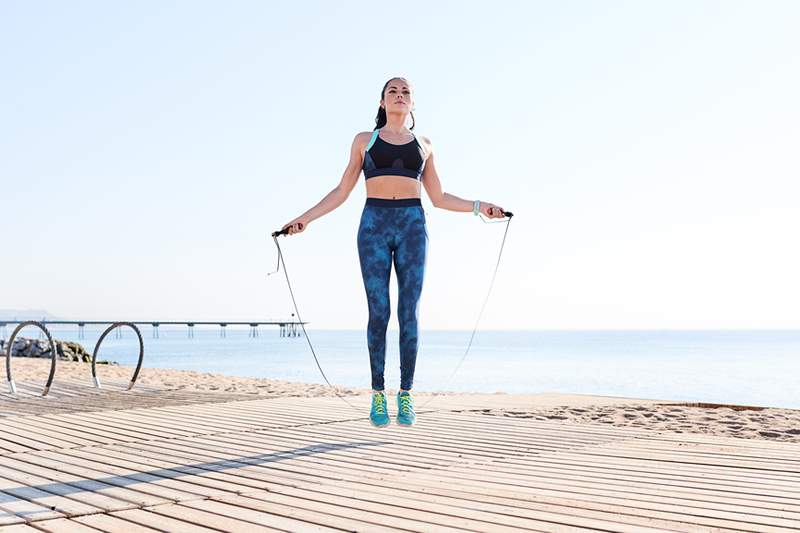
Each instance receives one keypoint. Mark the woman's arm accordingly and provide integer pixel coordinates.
(338, 194)
(444, 200)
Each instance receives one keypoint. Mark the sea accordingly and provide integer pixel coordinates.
(744, 367)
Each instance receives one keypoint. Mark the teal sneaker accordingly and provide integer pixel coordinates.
(378, 415)
(405, 409)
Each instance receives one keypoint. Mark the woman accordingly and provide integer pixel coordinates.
(396, 163)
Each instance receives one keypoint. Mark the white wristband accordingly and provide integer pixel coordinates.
(476, 207)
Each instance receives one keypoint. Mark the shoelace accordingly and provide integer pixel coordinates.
(377, 403)
(405, 404)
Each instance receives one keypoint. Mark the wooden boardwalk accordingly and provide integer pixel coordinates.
(146, 460)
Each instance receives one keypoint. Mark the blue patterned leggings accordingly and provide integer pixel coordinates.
(392, 230)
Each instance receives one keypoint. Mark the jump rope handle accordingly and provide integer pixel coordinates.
(508, 214)
(283, 231)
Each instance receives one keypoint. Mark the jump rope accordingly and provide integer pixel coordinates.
(276, 234)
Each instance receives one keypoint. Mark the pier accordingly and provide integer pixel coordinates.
(286, 328)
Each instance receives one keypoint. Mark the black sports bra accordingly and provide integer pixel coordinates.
(386, 159)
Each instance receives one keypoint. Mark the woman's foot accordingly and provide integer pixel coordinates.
(377, 414)
(405, 409)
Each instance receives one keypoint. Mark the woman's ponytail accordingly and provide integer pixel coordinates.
(380, 118)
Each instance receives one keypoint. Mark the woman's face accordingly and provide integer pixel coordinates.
(397, 97)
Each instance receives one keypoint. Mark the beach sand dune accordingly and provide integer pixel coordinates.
(676, 417)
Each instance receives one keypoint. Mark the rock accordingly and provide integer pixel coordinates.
(67, 351)
(72, 351)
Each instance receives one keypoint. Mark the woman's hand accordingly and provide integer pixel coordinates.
(491, 210)
(297, 225)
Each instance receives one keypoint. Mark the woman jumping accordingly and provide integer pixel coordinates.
(392, 229)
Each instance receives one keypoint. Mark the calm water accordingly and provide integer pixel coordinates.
(743, 367)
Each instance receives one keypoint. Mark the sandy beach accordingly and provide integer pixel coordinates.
(750, 422)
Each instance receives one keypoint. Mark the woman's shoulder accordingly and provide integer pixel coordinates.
(425, 142)
(422, 138)
(362, 138)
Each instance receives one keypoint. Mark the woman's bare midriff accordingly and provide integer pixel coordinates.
(393, 187)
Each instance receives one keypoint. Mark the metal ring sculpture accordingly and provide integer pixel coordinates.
(53, 354)
(108, 330)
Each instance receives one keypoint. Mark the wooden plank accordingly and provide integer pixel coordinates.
(128, 486)
(148, 421)
(720, 449)
(776, 506)
(25, 510)
(99, 427)
(153, 421)
(153, 520)
(113, 524)
(664, 476)
(117, 472)
(19, 528)
(202, 480)
(30, 440)
(323, 514)
(101, 422)
(712, 472)
(7, 517)
(44, 433)
(12, 447)
(739, 442)
(92, 492)
(283, 517)
(473, 446)
(774, 468)
(503, 504)
(366, 502)
(55, 496)
(700, 512)
(191, 465)
(86, 438)
(63, 525)
(226, 520)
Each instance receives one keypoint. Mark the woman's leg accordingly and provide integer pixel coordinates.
(375, 256)
(409, 263)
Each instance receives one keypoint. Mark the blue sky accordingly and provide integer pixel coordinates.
(648, 150)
